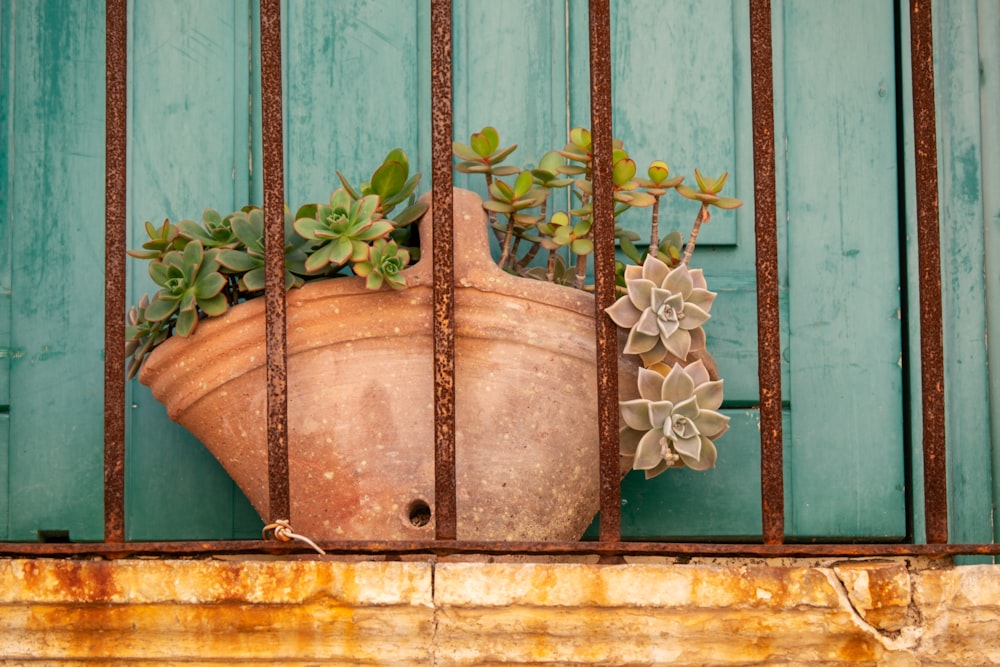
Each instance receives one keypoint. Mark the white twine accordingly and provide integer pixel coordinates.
(281, 530)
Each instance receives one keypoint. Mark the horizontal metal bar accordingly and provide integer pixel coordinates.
(444, 548)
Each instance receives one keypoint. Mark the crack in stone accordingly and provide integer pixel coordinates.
(905, 639)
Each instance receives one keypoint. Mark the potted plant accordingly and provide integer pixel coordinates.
(360, 439)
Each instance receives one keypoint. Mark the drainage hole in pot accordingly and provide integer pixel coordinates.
(419, 513)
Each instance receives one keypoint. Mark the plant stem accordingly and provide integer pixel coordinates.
(581, 272)
(654, 227)
(512, 260)
(528, 256)
(505, 246)
(550, 268)
(703, 217)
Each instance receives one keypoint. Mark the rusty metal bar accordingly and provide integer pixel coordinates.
(274, 246)
(604, 269)
(116, 57)
(772, 486)
(445, 502)
(928, 238)
(444, 548)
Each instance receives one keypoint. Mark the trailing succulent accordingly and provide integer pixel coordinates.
(663, 303)
(203, 268)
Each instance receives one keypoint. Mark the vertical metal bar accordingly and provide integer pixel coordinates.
(772, 487)
(274, 245)
(445, 502)
(604, 269)
(116, 73)
(928, 238)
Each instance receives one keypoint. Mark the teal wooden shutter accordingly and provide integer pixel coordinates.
(356, 85)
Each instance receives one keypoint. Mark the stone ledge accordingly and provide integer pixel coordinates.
(450, 613)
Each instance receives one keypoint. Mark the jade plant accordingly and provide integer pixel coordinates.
(663, 303)
(204, 268)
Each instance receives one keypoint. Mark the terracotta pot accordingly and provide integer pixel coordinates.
(361, 433)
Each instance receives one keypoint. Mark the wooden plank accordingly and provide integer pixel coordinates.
(845, 454)
(989, 57)
(961, 118)
(4, 476)
(189, 114)
(510, 61)
(6, 190)
(675, 99)
(722, 503)
(352, 82)
(56, 412)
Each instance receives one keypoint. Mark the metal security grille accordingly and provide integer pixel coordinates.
(609, 544)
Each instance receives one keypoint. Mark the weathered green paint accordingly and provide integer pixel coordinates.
(353, 90)
(6, 188)
(964, 112)
(723, 502)
(188, 111)
(4, 476)
(56, 202)
(989, 103)
(846, 451)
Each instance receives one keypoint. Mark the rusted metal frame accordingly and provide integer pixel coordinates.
(929, 266)
(772, 487)
(445, 548)
(116, 77)
(604, 269)
(279, 506)
(442, 121)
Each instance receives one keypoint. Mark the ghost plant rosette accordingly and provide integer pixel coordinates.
(663, 309)
(674, 422)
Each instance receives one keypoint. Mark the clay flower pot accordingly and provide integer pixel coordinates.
(360, 400)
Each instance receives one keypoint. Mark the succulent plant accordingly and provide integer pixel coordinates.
(675, 421)
(202, 268)
(247, 261)
(385, 264)
(343, 230)
(663, 310)
(189, 281)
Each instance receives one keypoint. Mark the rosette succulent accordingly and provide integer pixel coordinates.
(663, 309)
(344, 230)
(190, 280)
(384, 265)
(675, 420)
